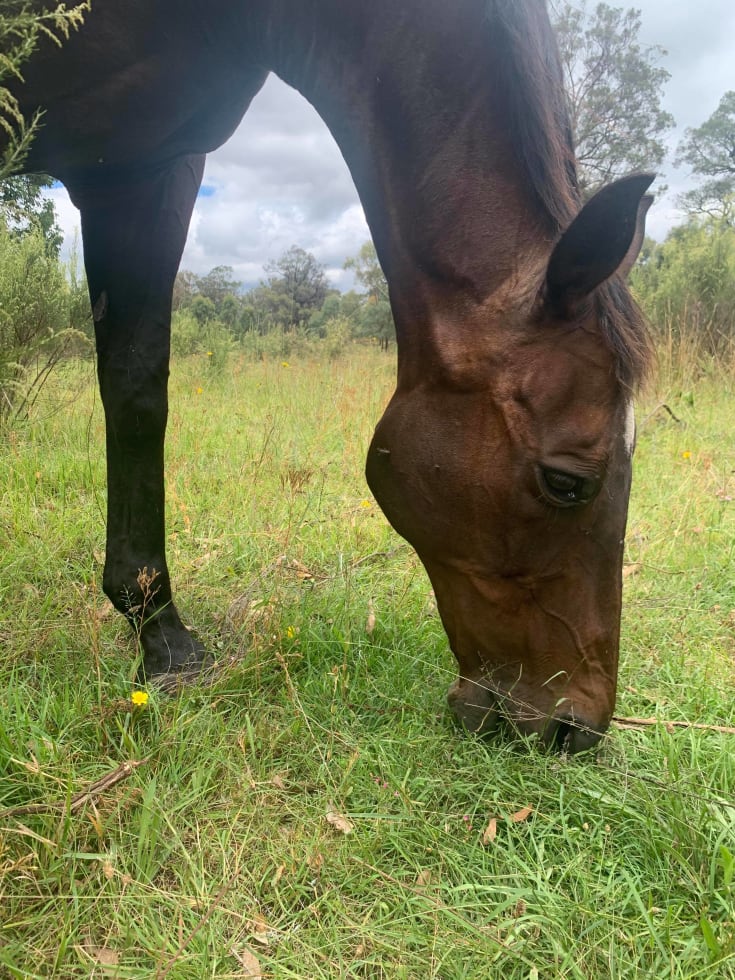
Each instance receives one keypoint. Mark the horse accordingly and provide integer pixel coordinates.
(504, 455)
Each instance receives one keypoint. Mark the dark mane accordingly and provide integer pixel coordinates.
(529, 70)
(626, 332)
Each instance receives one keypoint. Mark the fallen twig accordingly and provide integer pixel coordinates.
(658, 409)
(648, 722)
(97, 788)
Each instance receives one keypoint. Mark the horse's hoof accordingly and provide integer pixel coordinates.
(170, 662)
(171, 681)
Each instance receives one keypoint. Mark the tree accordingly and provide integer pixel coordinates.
(23, 207)
(202, 309)
(686, 284)
(376, 316)
(297, 286)
(185, 289)
(229, 312)
(709, 151)
(41, 319)
(218, 283)
(614, 86)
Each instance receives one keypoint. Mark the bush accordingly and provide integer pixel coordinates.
(40, 316)
(686, 286)
(338, 335)
(277, 344)
(210, 339)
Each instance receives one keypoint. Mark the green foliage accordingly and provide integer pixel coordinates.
(278, 318)
(207, 338)
(615, 87)
(217, 285)
(41, 319)
(709, 151)
(202, 309)
(319, 319)
(337, 336)
(375, 316)
(23, 207)
(295, 288)
(687, 284)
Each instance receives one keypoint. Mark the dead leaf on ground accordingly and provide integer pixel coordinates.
(104, 612)
(339, 822)
(423, 878)
(315, 861)
(632, 569)
(248, 961)
(370, 623)
(101, 954)
(259, 930)
(520, 815)
(295, 566)
(491, 831)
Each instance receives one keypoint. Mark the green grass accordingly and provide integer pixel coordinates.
(218, 848)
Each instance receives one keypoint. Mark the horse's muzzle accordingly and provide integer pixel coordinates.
(479, 709)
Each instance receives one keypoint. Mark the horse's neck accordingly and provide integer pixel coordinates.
(409, 92)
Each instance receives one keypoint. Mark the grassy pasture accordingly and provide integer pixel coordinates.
(315, 814)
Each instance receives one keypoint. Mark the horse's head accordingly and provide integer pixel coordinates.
(508, 467)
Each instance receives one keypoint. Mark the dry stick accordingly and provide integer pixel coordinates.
(646, 722)
(658, 409)
(94, 789)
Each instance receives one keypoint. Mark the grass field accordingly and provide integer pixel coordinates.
(315, 813)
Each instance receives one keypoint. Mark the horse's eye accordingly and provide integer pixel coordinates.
(565, 489)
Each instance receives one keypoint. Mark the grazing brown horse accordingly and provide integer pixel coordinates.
(504, 456)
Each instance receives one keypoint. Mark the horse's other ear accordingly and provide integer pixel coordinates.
(604, 238)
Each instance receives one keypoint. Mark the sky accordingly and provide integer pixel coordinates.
(280, 180)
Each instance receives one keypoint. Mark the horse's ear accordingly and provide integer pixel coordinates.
(638, 236)
(604, 238)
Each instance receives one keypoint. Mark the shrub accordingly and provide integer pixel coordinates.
(687, 286)
(40, 316)
(277, 344)
(210, 339)
(338, 335)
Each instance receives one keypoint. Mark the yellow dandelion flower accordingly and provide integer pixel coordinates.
(365, 503)
(290, 632)
(209, 353)
(139, 697)
(686, 455)
(199, 391)
(285, 364)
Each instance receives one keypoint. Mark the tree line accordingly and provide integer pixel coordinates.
(294, 300)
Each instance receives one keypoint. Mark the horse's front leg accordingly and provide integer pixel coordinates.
(134, 231)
